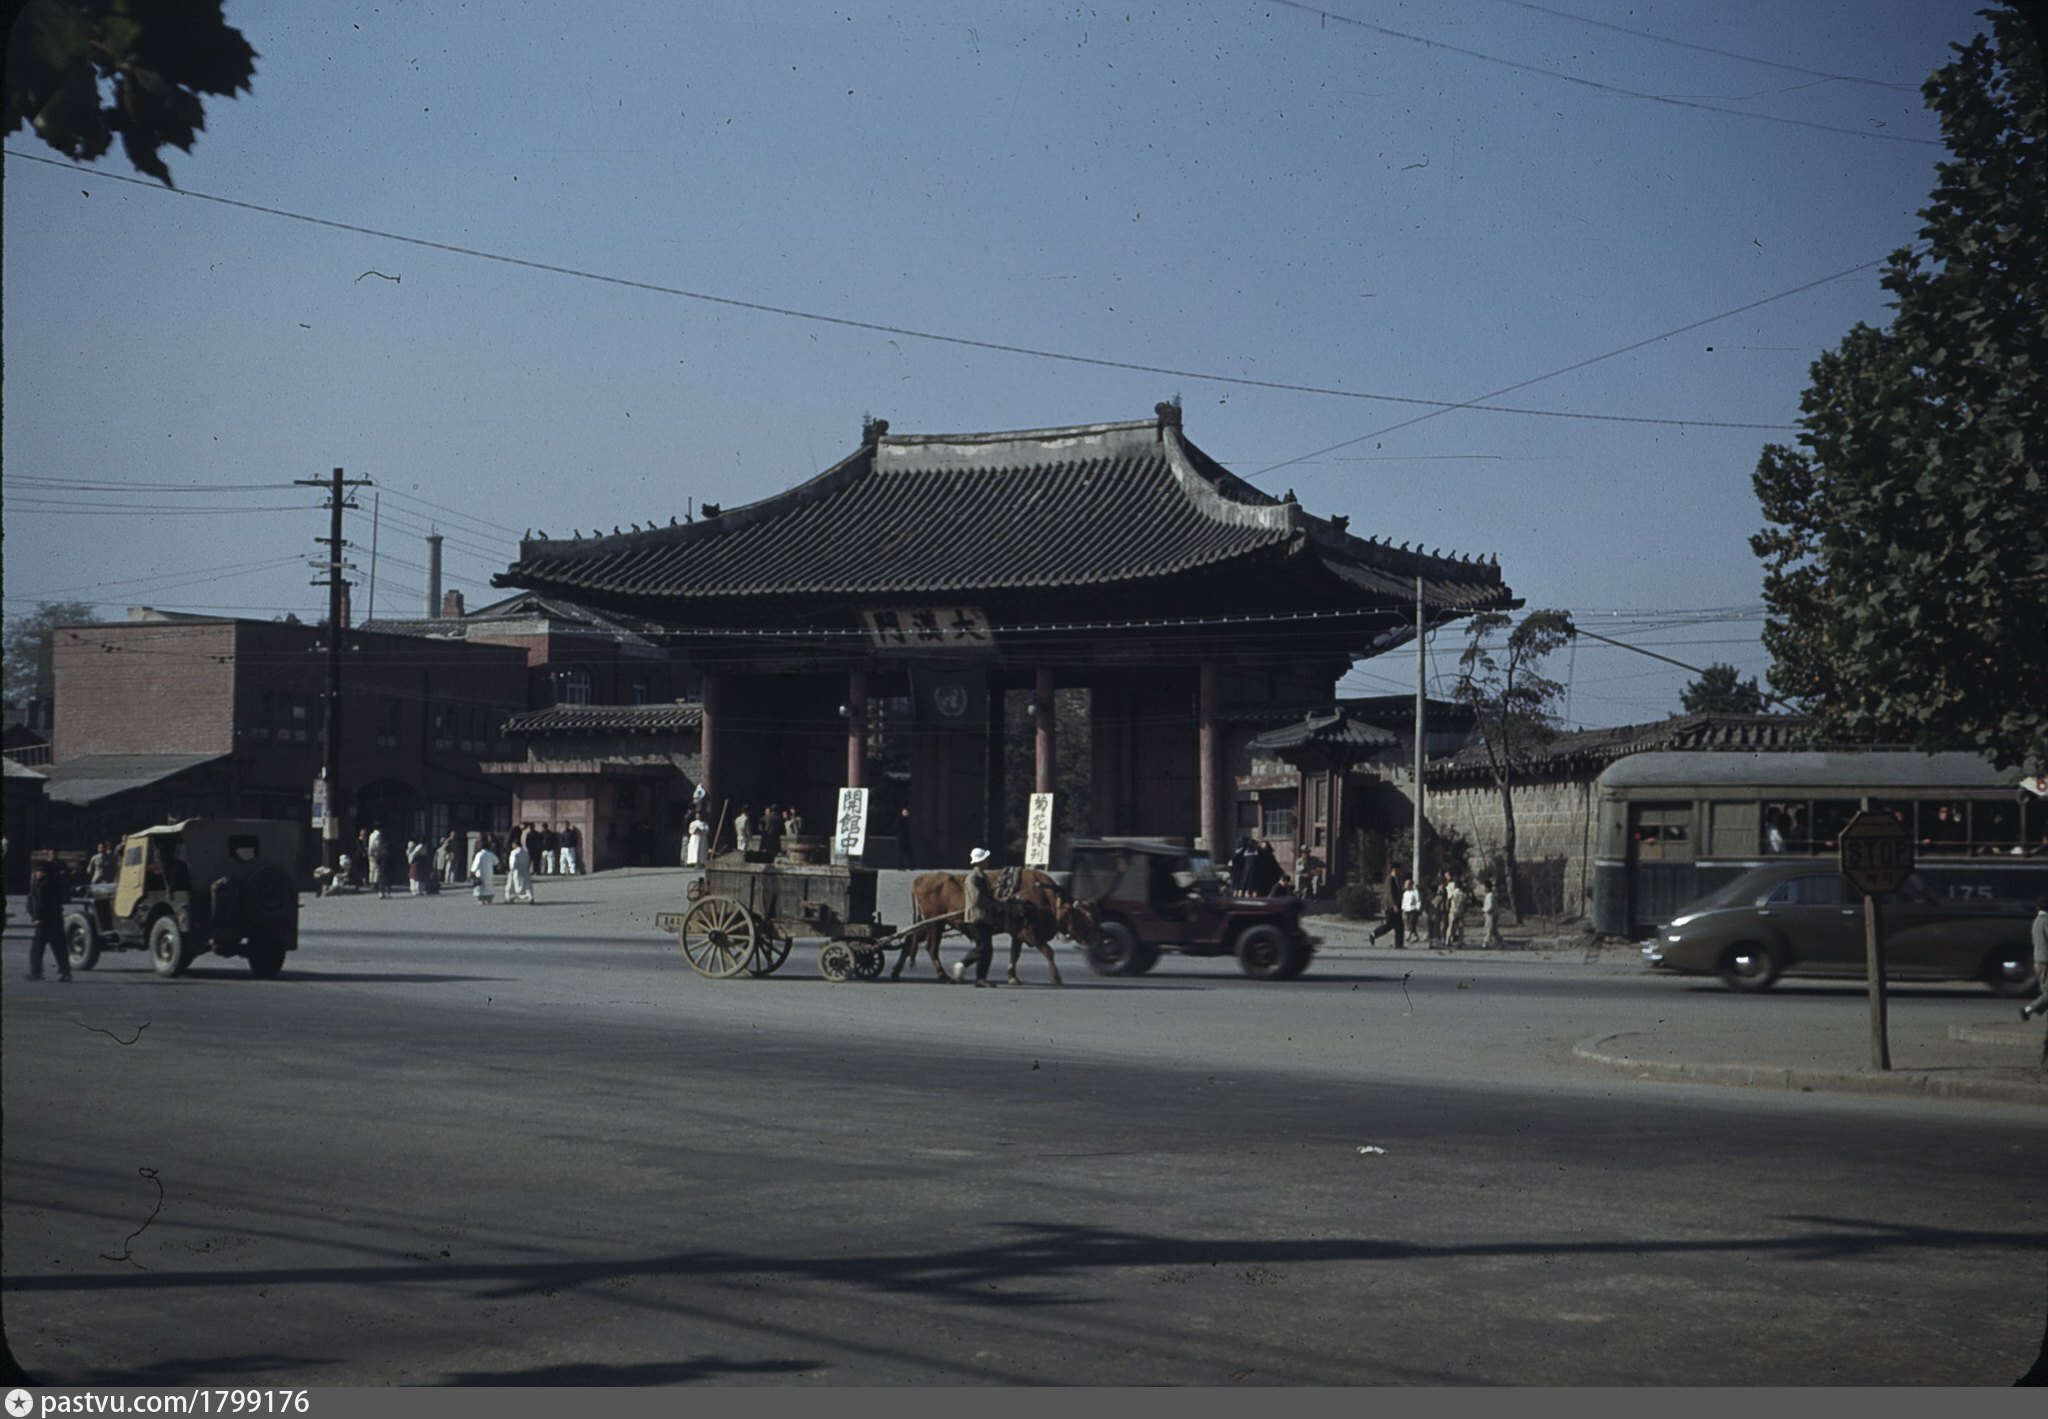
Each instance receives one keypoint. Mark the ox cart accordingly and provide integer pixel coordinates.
(747, 911)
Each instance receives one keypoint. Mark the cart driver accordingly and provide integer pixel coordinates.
(978, 916)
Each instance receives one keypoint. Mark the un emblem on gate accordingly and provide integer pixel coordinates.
(950, 701)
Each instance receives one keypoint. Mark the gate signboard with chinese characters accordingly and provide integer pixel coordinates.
(850, 825)
(1038, 832)
(913, 628)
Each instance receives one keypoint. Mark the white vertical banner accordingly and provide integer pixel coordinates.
(850, 824)
(1038, 832)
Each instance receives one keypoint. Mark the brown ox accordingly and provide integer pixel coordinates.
(1038, 912)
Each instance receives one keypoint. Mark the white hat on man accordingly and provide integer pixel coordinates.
(977, 857)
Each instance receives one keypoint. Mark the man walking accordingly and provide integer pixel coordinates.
(519, 872)
(380, 867)
(1390, 901)
(977, 917)
(46, 910)
(1489, 912)
(572, 844)
(2039, 1004)
(1411, 906)
(1454, 911)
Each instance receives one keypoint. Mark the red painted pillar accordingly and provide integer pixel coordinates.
(857, 729)
(707, 755)
(1044, 722)
(1215, 836)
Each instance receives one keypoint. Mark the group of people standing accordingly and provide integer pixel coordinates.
(529, 850)
(1255, 870)
(1441, 917)
(764, 834)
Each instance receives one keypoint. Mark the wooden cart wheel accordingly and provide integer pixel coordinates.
(718, 937)
(835, 960)
(867, 963)
(769, 955)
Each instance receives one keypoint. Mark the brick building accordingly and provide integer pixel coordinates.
(170, 715)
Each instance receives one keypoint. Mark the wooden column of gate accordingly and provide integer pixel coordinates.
(710, 721)
(1044, 759)
(857, 729)
(1210, 768)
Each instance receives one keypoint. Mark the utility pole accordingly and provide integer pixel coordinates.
(334, 566)
(1421, 723)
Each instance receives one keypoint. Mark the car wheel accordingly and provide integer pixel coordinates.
(1749, 966)
(82, 942)
(1144, 959)
(167, 949)
(1266, 953)
(266, 959)
(1115, 952)
(2010, 972)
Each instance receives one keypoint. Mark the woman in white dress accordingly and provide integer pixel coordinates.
(483, 870)
(519, 874)
(693, 845)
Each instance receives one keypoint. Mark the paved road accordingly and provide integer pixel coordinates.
(457, 1144)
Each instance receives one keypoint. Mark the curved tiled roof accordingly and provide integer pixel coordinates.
(608, 719)
(1099, 505)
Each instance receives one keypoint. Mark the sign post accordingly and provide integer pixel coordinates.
(1038, 832)
(1876, 857)
(850, 825)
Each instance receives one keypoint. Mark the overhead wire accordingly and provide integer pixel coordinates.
(1709, 49)
(1568, 369)
(877, 327)
(1595, 84)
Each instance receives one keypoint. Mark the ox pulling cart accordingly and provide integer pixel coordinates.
(747, 911)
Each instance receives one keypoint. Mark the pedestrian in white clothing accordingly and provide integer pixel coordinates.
(483, 870)
(693, 845)
(519, 874)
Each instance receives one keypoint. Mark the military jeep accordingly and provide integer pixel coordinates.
(207, 884)
(1155, 896)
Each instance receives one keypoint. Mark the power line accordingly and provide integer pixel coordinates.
(877, 328)
(1579, 365)
(65, 485)
(1606, 88)
(1709, 49)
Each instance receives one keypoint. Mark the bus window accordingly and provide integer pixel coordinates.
(1815, 891)
(1943, 829)
(1901, 809)
(1829, 814)
(2035, 827)
(1779, 825)
(1733, 829)
(1994, 829)
(1662, 832)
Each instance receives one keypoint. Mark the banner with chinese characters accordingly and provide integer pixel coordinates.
(912, 628)
(1038, 832)
(850, 824)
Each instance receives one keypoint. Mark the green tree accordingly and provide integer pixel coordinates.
(81, 71)
(25, 648)
(1905, 551)
(1515, 706)
(1719, 691)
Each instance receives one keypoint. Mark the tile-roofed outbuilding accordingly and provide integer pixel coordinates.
(1114, 507)
(681, 716)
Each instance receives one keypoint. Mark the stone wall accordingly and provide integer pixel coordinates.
(1553, 837)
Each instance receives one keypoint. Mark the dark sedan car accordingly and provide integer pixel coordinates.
(1795, 919)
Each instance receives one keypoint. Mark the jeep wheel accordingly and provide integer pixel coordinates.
(167, 949)
(1266, 953)
(1144, 959)
(266, 959)
(1115, 952)
(82, 942)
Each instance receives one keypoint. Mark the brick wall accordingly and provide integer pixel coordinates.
(144, 688)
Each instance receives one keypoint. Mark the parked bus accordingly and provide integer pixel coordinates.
(1674, 826)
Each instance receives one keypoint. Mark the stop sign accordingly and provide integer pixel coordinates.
(1876, 853)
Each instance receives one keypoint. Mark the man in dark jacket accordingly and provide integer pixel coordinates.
(46, 895)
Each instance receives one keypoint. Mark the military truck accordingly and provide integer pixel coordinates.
(207, 884)
(1152, 896)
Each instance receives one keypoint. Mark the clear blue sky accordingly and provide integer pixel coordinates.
(1312, 197)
